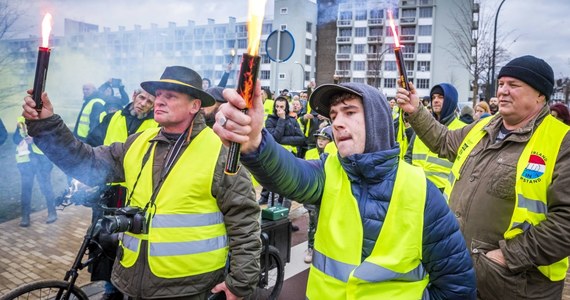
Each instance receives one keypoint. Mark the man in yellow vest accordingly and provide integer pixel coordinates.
(385, 231)
(91, 113)
(444, 103)
(509, 184)
(190, 214)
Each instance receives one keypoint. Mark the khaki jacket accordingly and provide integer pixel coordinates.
(234, 194)
(483, 202)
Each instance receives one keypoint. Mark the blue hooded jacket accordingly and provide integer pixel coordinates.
(372, 175)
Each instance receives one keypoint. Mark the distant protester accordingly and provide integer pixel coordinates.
(560, 112)
(482, 110)
(466, 115)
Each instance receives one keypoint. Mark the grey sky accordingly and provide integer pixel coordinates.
(540, 28)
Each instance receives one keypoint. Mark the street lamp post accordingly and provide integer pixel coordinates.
(494, 50)
(302, 77)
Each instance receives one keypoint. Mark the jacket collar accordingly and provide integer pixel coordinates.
(522, 134)
(199, 125)
(370, 167)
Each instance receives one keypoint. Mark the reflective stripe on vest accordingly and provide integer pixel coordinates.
(187, 235)
(533, 174)
(437, 169)
(83, 126)
(393, 270)
(117, 130)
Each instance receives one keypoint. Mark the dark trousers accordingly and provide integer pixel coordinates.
(38, 166)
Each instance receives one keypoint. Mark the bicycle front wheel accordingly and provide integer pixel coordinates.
(270, 278)
(45, 289)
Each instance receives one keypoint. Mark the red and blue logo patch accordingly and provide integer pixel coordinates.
(535, 168)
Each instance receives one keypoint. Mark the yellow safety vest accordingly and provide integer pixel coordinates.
(394, 269)
(187, 235)
(117, 130)
(267, 108)
(313, 153)
(83, 125)
(534, 176)
(23, 132)
(437, 169)
(401, 136)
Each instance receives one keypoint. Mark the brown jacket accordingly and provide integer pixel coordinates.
(483, 202)
(234, 194)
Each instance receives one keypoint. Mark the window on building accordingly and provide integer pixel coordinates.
(389, 83)
(283, 26)
(424, 30)
(344, 65)
(345, 32)
(219, 60)
(265, 74)
(242, 43)
(389, 48)
(422, 83)
(375, 31)
(359, 48)
(199, 31)
(241, 28)
(423, 66)
(265, 59)
(283, 11)
(309, 27)
(389, 31)
(344, 48)
(358, 65)
(376, 14)
(409, 13)
(409, 64)
(360, 15)
(307, 75)
(208, 59)
(390, 66)
(266, 28)
(424, 48)
(360, 31)
(307, 59)
(308, 44)
(230, 43)
(358, 80)
(345, 15)
(198, 45)
(408, 48)
(426, 12)
(220, 29)
(209, 45)
(282, 76)
(409, 30)
(219, 44)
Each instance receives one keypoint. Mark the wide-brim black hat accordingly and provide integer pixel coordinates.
(321, 97)
(180, 79)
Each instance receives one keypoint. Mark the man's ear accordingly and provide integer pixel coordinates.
(195, 106)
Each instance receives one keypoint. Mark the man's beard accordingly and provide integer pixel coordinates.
(493, 107)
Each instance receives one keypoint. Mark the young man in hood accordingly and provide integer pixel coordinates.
(381, 220)
(444, 106)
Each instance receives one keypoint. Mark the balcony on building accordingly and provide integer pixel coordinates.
(345, 6)
(375, 21)
(344, 39)
(408, 38)
(425, 2)
(408, 3)
(408, 20)
(343, 56)
(374, 73)
(409, 56)
(343, 73)
(374, 39)
(344, 23)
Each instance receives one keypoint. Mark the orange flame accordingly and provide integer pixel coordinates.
(248, 83)
(46, 29)
(256, 11)
(393, 27)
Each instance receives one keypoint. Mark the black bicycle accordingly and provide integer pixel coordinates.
(271, 277)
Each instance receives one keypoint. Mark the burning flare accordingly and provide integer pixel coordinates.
(46, 29)
(393, 27)
(256, 11)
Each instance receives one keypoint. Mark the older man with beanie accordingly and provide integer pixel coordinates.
(509, 184)
(378, 237)
(195, 213)
(444, 100)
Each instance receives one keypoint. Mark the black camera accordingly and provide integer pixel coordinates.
(130, 218)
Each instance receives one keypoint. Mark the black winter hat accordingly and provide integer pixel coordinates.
(533, 71)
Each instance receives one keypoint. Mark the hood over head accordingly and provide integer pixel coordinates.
(450, 99)
(377, 113)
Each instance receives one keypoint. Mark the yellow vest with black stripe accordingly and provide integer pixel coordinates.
(534, 175)
(83, 125)
(436, 169)
(187, 235)
(117, 130)
(394, 269)
(23, 133)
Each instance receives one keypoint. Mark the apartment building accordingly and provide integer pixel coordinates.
(363, 43)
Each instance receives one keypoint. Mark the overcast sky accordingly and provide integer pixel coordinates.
(540, 28)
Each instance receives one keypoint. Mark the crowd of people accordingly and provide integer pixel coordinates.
(474, 206)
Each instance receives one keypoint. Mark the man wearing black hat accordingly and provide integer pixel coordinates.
(509, 184)
(378, 237)
(194, 213)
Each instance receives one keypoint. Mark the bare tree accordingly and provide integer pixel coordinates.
(472, 43)
(10, 12)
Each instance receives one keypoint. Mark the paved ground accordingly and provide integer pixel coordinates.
(46, 251)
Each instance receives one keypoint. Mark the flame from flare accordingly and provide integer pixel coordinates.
(233, 52)
(256, 11)
(46, 29)
(393, 27)
(248, 83)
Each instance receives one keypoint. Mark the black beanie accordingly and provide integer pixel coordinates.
(436, 90)
(533, 71)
